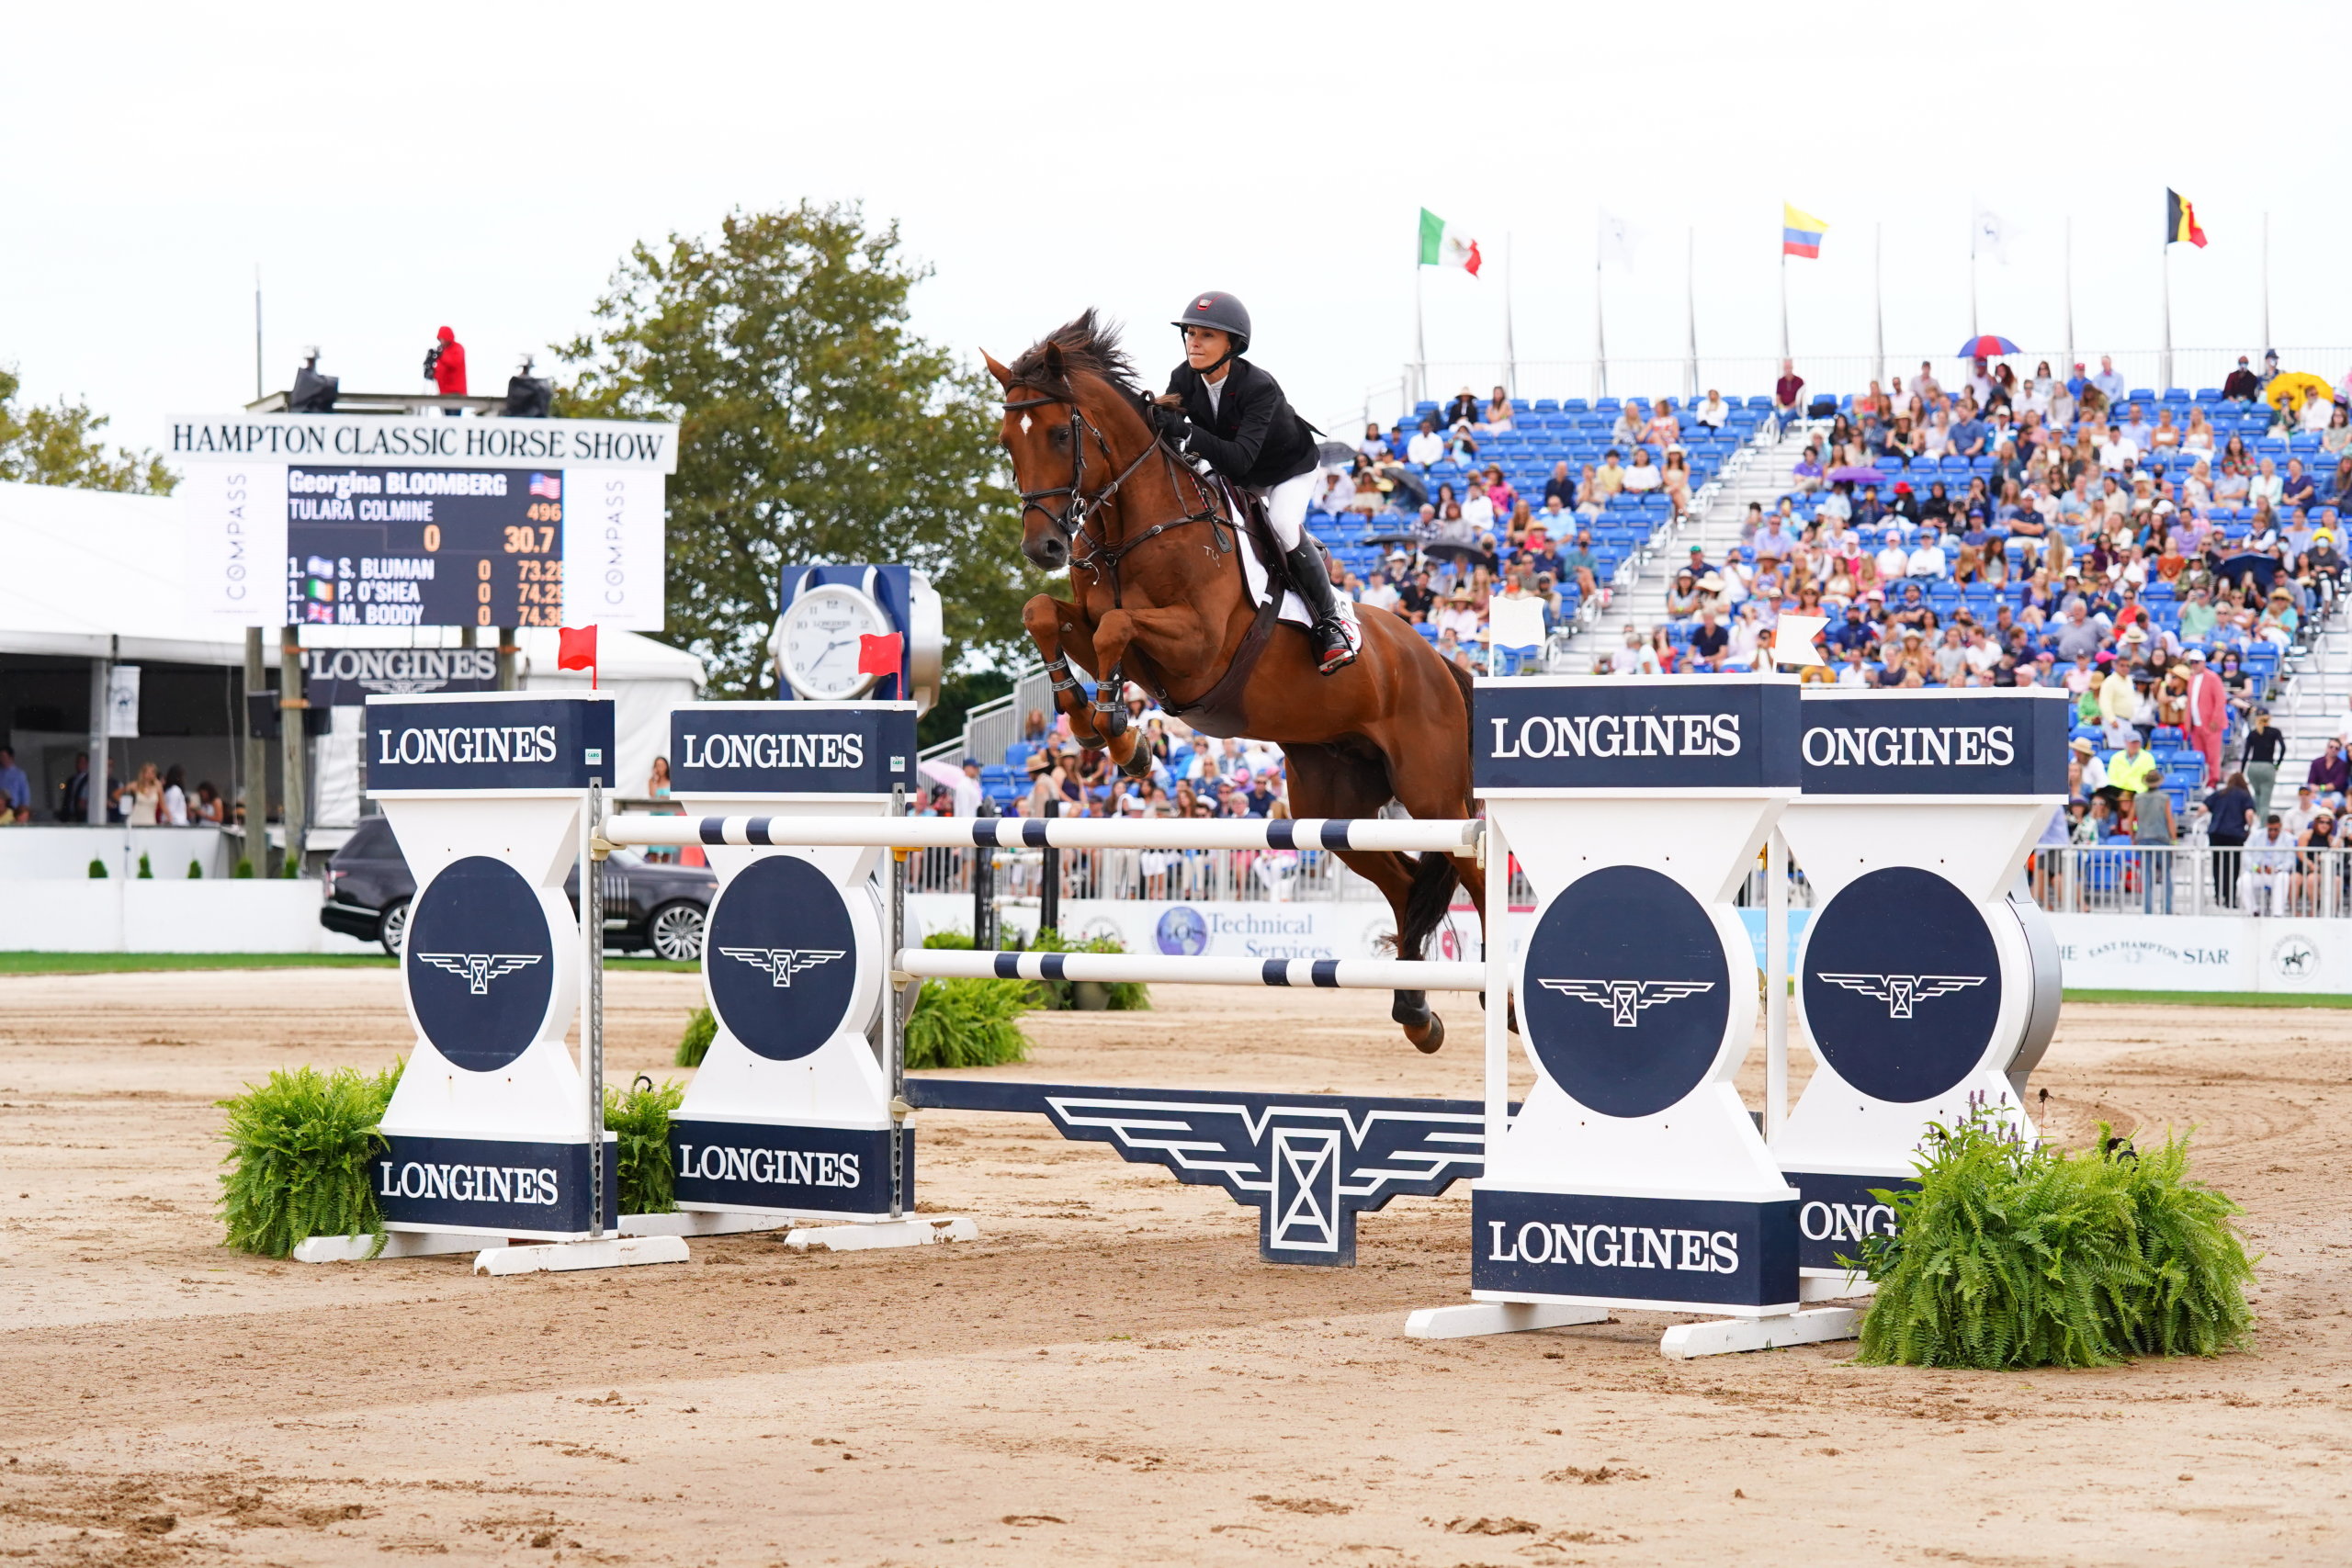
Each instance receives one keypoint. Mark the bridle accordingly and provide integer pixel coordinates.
(1099, 557)
(1078, 510)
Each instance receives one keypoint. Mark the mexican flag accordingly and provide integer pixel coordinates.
(1442, 246)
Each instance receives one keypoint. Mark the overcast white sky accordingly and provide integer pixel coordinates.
(393, 168)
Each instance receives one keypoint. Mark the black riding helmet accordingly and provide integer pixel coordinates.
(1221, 311)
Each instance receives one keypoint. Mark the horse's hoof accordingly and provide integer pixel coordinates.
(1428, 1045)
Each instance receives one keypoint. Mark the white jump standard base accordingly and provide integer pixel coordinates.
(1496, 1317)
(913, 1231)
(704, 1221)
(1730, 1335)
(397, 1244)
(562, 1257)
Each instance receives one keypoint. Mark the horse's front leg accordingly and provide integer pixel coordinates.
(1174, 639)
(1060, 630)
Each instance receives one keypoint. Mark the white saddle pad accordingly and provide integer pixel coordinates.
(1293, 608)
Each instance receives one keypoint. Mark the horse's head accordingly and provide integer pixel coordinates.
(1073, 421)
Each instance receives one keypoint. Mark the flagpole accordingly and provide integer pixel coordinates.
(1878, 301)
(1599, 337)
(1421, 341)
(1691, 310)
(1972, 227)
(2066, 372)
(2266, 282)
(2164, 383)
(1510, 343)
(1784, 300)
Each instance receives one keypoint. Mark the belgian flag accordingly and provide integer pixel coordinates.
(2180, 221)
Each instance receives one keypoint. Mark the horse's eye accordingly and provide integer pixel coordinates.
(1060, 437)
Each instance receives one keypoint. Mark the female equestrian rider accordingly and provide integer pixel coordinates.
(1234, 416)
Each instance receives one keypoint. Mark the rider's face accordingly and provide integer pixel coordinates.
(1204, 346)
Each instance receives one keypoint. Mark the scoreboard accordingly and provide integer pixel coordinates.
(377, 546)
(401, 521)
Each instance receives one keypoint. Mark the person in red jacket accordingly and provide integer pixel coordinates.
(446, 364)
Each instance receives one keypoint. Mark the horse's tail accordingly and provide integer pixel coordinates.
(1435, 875)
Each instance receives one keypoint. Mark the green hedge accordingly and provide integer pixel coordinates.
(2010, 1256)
(647, 1173)
(695, 1043)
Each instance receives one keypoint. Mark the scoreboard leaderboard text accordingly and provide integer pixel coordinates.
(405, 546)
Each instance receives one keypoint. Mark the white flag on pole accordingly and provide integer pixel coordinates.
(1618, 240)
(1991, 236)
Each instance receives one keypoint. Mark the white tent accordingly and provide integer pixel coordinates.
(93, 575)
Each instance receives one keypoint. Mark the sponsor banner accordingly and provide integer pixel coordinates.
(756, 1165)
(492, 1184)
(614, 549)
(495, 740)
(1893, 743)
(348, 677)
(1902, 984)
(2204, 952)
(1619, 734)
(479, 963)
(287, 438)
(234, 542)
(1705, 1252)
(1232, 929)
(780, 748)
(1836, 1212)
(780, 956)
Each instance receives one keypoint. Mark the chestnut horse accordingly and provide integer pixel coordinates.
(1158, 597)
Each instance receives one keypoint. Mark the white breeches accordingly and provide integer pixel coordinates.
(1287, 507)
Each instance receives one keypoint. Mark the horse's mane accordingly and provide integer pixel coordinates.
(1085, 344)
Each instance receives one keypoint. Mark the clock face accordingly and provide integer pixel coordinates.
(820, 641)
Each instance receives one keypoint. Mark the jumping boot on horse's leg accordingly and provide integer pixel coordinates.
(1312, 581)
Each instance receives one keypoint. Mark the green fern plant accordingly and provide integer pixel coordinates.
(647, 1172)
(968, 1024)
(695, 1043)
(2005, 1255)
(146, 872)
(98, 869)
(300, 1151)
(1126, 996)
(196, 871)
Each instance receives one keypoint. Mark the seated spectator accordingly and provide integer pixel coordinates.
(1460, 617)
(1675, 479)
(1500, 491)
(1709, 643)
(1538, 555)
(1560, 487)
(2266, 484)
(1633, 420)
(1682, 596)
(2337, 436)
(1644, 475)
(2118, 452)
(1374, 444)
(1428, 446)
(1378, 593)
(1808, 473)
(1590, 498)
(1893, 560)
(1786, 393)
(2296, 489)
(2241, 386)
(1463, 409)
(1926, 558)
(1712, 410)
(1663, 430)
(1497, 414)
(1609, 480)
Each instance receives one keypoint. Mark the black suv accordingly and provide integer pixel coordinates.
(646, 905)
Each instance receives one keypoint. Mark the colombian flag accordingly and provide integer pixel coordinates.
(1801, 234)
(2180, 221)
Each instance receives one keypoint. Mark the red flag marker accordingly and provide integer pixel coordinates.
(576, 650)
(880, 655)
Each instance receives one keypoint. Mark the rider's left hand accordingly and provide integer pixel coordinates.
(1172, 427)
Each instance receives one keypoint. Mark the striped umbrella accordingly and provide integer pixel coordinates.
(1992, 345)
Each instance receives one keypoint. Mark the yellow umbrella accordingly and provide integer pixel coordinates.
(2292, 389)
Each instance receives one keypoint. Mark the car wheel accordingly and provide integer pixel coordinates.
(391, 930)
(675, 932)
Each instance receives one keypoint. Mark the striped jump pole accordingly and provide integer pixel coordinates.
(1153, 968)
(1449, 836)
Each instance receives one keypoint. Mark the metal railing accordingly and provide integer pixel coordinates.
(2193, 879)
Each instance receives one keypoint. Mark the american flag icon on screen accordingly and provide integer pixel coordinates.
(548, 487)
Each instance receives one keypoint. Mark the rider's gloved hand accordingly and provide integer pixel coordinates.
(1170, 425)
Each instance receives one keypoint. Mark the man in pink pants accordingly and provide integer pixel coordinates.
(2208, 715)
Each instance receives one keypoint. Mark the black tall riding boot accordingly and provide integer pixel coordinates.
(1313, 582)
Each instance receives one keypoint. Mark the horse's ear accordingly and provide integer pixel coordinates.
(1053, 370)
(1003, 376)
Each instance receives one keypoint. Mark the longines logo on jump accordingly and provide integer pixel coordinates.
(479, 969)
(781, 964)
(1900, 993)
(1626, 998)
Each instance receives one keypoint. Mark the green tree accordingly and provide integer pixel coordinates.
(59, 445)
(815, 427)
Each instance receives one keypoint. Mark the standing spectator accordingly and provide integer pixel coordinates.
(2266, 748)
(174, 810)
(2207, 714)
(446, 363)
(73, 794)
(2152, 828)
(2230, 816)
(1786, 393)
(142, 799)
(15, 790)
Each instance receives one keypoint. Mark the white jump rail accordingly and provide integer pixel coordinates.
(1450, 836)
(1151, 968)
